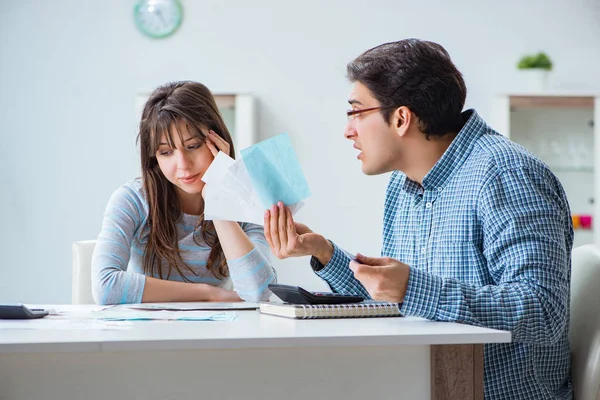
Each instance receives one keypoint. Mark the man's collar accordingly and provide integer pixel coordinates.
(454, 156)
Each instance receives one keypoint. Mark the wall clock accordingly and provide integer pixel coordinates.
(158, 18)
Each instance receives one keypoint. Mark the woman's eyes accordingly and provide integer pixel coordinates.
(194, 146)
(190, 147)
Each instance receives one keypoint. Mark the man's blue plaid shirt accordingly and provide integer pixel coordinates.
(488, 238)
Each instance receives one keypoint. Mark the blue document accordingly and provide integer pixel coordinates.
(275, 171)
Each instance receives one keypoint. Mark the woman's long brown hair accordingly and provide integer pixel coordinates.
(193, 104)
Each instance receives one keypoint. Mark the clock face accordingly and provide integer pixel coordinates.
(158, 18)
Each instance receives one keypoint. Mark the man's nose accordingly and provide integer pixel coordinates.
(350, 131)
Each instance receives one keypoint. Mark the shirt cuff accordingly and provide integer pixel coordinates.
(422, 294)
(338, 259)
(315, 264)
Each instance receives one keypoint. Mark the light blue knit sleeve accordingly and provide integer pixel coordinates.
(111, 282)
(252, 273)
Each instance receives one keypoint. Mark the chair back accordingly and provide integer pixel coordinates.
(585, 322)
(81, 285)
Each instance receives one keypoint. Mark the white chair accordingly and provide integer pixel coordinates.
(585, 322)
(81, 286)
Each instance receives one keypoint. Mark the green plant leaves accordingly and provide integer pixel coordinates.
(540, 60)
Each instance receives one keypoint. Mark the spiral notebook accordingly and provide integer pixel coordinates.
(364, 309)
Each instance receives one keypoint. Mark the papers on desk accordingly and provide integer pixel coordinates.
(241, 190)
(193, 306)
(65, 318)
(125, 313)
(51, 324)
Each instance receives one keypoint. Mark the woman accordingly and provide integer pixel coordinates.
(155, 245)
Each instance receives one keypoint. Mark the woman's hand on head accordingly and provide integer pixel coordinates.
(216, 143)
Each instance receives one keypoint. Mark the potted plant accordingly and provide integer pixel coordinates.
(536, 67)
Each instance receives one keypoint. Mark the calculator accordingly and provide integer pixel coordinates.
(20, 311)
(298, 295)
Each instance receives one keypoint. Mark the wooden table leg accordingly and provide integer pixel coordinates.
(457, 372)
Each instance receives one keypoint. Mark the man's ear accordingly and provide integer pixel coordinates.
(401, 120)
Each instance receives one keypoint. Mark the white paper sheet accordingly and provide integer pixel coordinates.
(193, 306)
(217, 169)
(123, 313)
(50, 324)
(230, 195)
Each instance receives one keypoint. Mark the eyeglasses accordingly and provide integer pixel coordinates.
(352, 113)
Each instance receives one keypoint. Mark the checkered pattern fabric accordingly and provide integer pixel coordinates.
(488, 238)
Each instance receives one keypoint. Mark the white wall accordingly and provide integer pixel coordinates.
(69, 71)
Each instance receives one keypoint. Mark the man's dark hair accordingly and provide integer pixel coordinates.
(417, 74)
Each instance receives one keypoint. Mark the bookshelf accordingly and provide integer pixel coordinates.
(563, 130)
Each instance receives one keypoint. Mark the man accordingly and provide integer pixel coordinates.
(476, 229)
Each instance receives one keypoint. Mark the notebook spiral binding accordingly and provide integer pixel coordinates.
(349, 310)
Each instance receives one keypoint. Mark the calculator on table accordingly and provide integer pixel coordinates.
(20, 311)
(298, 295)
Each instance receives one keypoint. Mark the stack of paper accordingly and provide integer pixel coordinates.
(125, 313)
(241, 190)
(193, 306)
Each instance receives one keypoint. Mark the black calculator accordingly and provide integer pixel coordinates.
(20, 311)
(297, 295)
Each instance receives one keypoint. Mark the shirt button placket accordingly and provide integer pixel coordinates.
(425, 232)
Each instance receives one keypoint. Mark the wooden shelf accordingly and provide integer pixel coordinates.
(225, 100)
(551, 102)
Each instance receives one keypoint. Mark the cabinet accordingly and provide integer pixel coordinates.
(563, 130)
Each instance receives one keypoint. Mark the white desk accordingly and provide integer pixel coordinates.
(255, 357)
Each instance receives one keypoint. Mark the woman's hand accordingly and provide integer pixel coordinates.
(216, 143)
(224, 296)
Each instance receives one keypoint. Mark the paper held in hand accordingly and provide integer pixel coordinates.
(241, 190)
